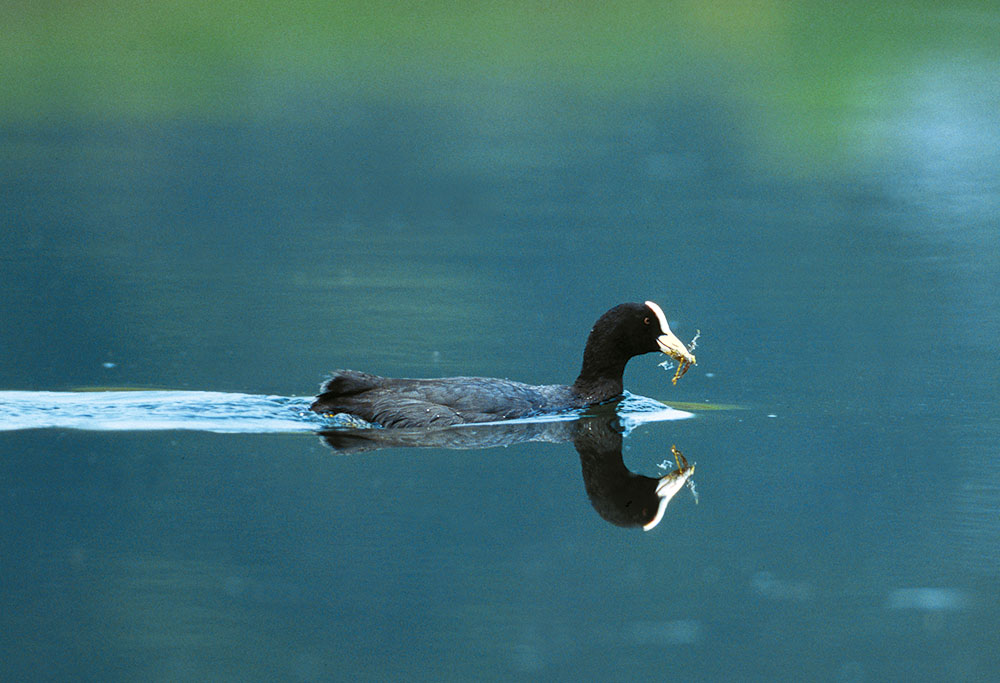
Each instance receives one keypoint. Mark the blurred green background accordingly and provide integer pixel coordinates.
(799, 76)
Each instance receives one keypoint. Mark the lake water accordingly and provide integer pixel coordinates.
(845, 421)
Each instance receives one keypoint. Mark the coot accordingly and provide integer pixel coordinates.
(626, 330)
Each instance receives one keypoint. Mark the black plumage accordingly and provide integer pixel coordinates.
(625, 331)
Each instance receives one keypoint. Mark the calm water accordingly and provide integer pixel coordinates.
(848, 523)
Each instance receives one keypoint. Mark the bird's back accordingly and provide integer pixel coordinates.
(436, 402)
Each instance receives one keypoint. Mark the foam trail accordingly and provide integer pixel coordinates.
(155, 410)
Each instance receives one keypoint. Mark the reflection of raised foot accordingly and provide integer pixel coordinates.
(682, 463)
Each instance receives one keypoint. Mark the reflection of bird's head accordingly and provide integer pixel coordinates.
(621, 497)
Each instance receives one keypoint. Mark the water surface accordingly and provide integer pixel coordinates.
(826, 220)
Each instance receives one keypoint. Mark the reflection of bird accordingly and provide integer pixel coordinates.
(625, 331)
(456, 437)
(620, 496)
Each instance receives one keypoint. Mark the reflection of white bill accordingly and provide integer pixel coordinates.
(669, 485)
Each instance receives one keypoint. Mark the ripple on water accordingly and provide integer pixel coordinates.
(223, 412)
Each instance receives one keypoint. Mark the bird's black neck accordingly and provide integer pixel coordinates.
(601, 375)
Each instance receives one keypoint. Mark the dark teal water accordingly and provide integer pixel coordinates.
(849, 518)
